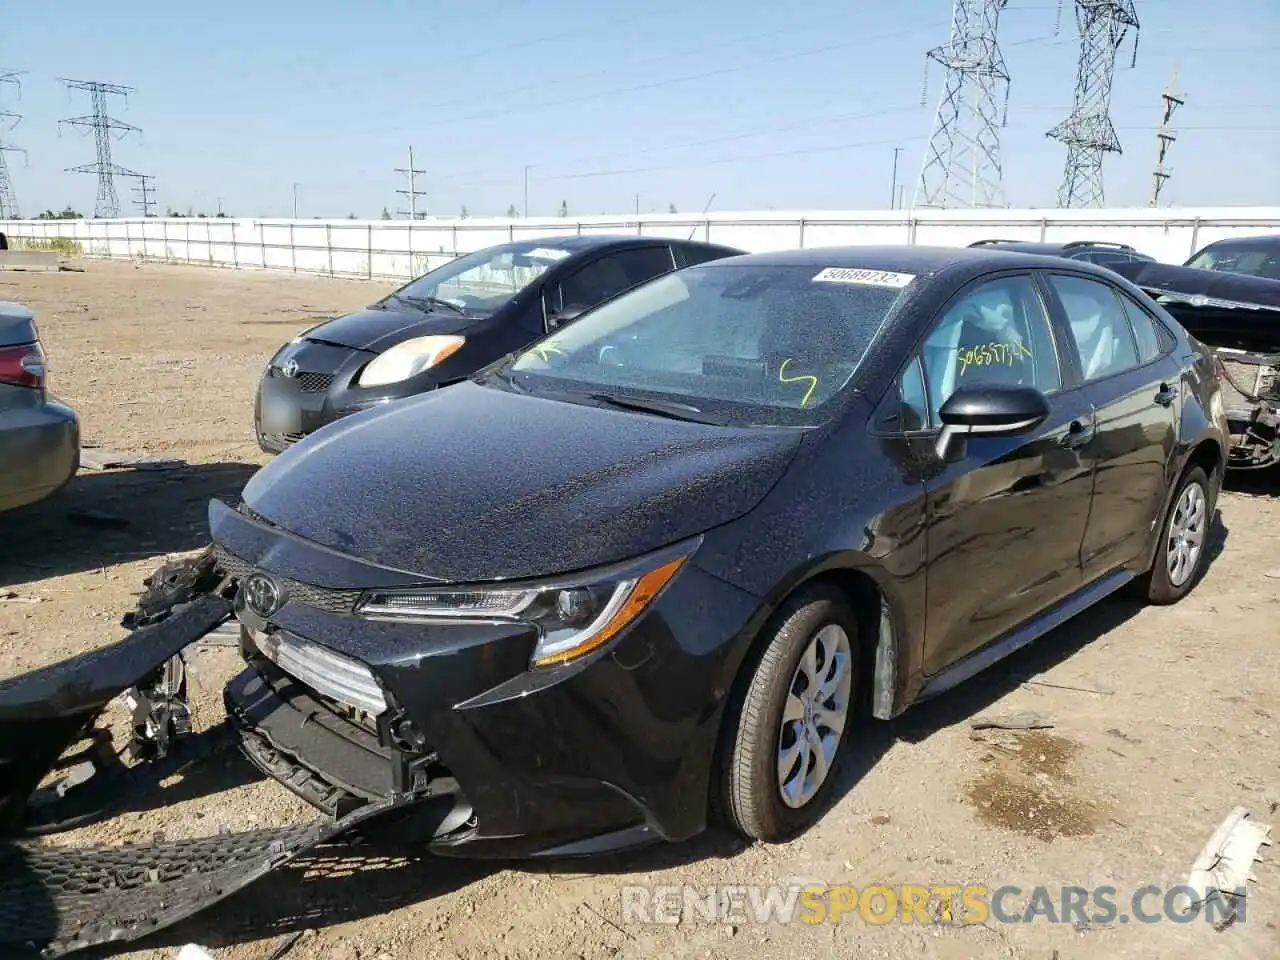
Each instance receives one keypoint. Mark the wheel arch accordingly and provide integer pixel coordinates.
(880, 614)
(1205, 452)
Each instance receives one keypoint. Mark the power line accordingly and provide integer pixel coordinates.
(648, 62)
(832, 148)
(962, 165)
(753, 65)
(8, 197)
(412, 193)
(107, 204)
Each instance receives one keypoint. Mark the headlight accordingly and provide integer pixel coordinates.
(573, 618)
(408, 359)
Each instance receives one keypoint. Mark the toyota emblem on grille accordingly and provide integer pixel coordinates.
(290, 369)
(261, 595)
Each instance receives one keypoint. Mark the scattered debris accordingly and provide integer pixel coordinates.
(1225, 864)
(1026, 720)
(286, 945)
(1067, 686)
(95, 518)
(95, 458)
(1122, 735)
(8, 596)
(193, 951)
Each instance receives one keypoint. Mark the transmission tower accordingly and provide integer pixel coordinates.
(8, 199)
(962, 162)
(1088, 131)
(146, 192)
(413, 193)
(1165, 136)
(107, 203)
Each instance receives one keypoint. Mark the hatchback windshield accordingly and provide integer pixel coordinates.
(739, 343)
(1252, 260)
(483, 281)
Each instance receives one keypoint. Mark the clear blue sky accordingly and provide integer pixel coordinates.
(779, 105)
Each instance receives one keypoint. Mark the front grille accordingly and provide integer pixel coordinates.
(329, 674)
(303, 382)
(328, 599)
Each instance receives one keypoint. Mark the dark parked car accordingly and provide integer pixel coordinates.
(683, 546)
(1248, 256)
(39, 436)
(1102, 252)
(1227, 296)
(450, 322)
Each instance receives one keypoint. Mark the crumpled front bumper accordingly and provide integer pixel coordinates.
(58, 899)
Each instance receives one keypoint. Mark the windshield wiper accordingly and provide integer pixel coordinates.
(432, 303)
(665, 408)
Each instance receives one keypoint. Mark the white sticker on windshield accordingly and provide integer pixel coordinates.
(874, 278)
(547, 253)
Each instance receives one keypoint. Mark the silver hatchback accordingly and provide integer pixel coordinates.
(39, 436)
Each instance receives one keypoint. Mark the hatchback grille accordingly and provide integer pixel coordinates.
(304, 382)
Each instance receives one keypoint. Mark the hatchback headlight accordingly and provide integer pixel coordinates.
(408, 359)
(573, 617)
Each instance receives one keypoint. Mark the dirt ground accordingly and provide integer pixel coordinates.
(1164, 719)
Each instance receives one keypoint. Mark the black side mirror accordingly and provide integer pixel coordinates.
(991, 411)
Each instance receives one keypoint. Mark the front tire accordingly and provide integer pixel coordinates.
(786, 738)
(1180, 554)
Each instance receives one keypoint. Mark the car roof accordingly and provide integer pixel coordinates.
(1253, 242)
(594, 241)
(899, 258)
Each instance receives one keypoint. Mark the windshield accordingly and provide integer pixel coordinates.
(1253, 260)
(483, 281)
(743, 344)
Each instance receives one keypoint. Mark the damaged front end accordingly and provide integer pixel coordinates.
(46, 712)
(60, 769)
(1238, 317)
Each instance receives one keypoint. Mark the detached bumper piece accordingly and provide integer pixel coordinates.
(47, 711)
(54, 901)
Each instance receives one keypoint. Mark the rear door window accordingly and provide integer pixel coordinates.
(1104, 339)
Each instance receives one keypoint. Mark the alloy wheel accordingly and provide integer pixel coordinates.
(814, 715)
(1186, 534)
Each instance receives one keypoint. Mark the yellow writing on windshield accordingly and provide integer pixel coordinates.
(543, 352)
(989, 354)
(800, 378)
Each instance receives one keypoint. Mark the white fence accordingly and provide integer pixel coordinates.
(400, 249)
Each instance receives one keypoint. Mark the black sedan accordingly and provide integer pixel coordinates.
(693, 543)
(450, 322)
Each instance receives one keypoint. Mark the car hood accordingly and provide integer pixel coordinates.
(476, 483)
(376, 329)
(1218, 308)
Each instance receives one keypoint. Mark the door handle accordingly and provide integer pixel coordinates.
(1078, 434)
(1166, 395)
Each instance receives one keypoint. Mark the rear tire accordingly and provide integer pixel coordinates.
(1180, 554)
(800, 699)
